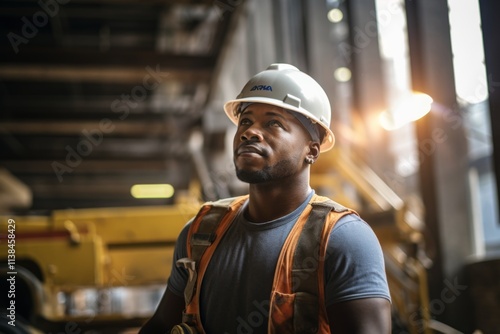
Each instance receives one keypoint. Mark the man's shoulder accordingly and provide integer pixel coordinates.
(211, 213)
(318, 200)
(225, 202)
(351, 228)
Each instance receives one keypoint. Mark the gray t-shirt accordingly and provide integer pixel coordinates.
(236, 287)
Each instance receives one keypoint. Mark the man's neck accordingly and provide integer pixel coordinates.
(267, 202)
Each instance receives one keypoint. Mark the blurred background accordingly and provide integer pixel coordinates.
(112, 133)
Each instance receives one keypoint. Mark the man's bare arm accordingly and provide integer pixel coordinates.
(360, 316)
(167, 314)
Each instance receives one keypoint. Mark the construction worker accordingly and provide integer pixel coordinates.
(282, 259)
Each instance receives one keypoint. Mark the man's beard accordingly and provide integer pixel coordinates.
(280, 170)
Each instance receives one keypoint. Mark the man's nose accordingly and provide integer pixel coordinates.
(252, 133)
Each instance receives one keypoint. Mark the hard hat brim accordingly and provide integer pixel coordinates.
(231, 108)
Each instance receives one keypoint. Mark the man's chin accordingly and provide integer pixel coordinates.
(252, 177)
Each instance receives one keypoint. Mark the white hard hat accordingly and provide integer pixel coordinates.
(285, 86)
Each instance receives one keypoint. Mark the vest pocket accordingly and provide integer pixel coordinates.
(294, 313)
(281, 311)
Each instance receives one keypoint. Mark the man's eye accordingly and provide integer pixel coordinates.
(244, 121)
(275, 123)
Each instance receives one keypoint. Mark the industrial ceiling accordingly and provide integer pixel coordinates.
(96, 96)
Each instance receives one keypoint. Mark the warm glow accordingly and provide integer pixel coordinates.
(342, 74)
(152, 190)
(411, 108)
(335, 15)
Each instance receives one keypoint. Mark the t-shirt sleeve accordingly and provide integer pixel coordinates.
(179, 276)
(354, 264)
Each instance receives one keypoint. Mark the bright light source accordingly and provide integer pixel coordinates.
(468, 52)
(342, 74)
(409, 109)
(152, 190)
(335, 15)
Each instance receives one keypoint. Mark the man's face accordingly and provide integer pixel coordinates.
(270, 144)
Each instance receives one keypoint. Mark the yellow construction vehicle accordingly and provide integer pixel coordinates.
(79, 269)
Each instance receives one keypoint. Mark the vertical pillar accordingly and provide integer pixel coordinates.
(289, 32)
(369, 91)
(443, 156)
(321, 54)
(491, 25)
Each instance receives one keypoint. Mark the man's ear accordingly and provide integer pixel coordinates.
(314, 150)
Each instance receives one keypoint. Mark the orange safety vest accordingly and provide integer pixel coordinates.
(297, 297)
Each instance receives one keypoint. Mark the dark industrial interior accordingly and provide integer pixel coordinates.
(100, 96)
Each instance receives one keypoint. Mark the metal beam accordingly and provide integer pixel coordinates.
(107, 147)
(95, 74)
(43, 166)
(92, 57)
(105, 126)
(96, 107)
(97, 187)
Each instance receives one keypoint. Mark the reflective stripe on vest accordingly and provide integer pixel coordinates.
(297, 298)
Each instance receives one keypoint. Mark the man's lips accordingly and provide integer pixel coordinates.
(248, 149)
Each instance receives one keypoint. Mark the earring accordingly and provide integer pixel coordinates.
(309, 161)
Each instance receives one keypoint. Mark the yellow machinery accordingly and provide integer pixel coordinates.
(77, 268)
